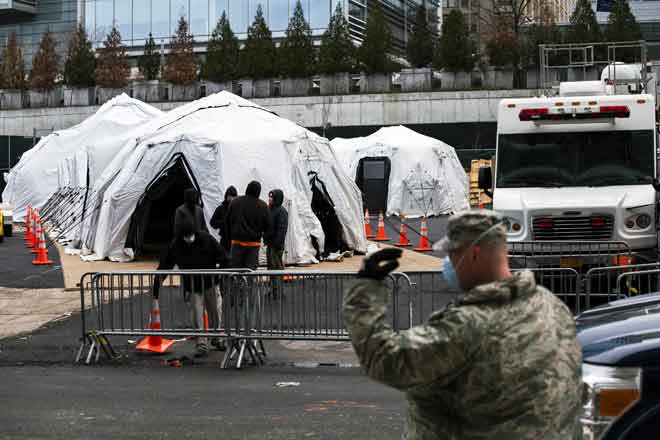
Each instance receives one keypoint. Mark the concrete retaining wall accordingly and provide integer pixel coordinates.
(312, 111)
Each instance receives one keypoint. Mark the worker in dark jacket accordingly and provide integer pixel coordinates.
(275, 239)
(196, 250)
(248, 220)
(191, 210)
(220, 215)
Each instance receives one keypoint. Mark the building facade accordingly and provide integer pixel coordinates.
(135, 19)
(476, 12)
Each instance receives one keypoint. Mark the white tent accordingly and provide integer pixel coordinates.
(425, 175)
(37, 175)
(218, 141)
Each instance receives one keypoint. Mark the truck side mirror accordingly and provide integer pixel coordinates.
(656, 184)
(486, 180)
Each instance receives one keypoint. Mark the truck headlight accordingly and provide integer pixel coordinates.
(513, 225)
(640, 221)
(607, 393)
(643, 221)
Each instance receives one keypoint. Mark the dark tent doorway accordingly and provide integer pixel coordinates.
(373, 179)
(324, 209)
(152, 223)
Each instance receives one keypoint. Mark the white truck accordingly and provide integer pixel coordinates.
(578, 167)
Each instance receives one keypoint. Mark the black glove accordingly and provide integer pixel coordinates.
(379, 264)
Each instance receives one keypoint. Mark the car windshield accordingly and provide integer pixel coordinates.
(598, 158)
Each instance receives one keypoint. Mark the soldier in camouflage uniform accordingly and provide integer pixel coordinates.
(501, 363)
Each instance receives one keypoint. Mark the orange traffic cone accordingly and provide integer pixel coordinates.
(381, 236)
(156, 344)
(367, 225)
(34, 238)
(28, 227)
(403, 233)
(42, 251)
(35, 249)
(424, 240)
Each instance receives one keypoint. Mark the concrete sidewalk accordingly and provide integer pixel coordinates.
(25, 310)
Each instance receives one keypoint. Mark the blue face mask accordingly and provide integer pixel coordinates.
(449, 274)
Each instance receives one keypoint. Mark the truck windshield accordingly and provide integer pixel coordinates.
(598, 158)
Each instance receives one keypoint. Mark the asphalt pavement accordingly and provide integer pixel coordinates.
(17, 270)
(295, 395)
(70, 402)
(437, 227)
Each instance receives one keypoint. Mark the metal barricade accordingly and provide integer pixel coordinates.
(254, 306)
(578, 255)
(638, 282)
(418, 295)
(601, 283)
(120, 304)
(258, 306)
(565, 283)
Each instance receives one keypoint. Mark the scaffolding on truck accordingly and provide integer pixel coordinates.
(558, 60)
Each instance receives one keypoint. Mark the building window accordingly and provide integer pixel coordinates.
(278, 11)
(252, 10)
(238, 16)
(141, 21)
(160, 19)
(104, 18)
(178, 9)
(90, 26)
(357, 11)
(199, 19)
(123, 19)
(217, 7)
(319, 11)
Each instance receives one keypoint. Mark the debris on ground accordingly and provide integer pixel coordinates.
(287, 384)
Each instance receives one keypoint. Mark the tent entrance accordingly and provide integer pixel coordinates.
(324, 209)
(152, 223)
(373, 179)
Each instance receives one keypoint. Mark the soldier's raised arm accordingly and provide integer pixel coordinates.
(435, 352)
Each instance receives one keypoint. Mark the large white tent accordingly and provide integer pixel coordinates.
(215, 142)
(425, 176)
(38, 174)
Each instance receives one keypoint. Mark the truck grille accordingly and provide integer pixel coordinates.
(595, 227)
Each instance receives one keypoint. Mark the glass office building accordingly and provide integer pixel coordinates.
(137, 18)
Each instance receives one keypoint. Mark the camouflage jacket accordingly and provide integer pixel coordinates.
(502, 363)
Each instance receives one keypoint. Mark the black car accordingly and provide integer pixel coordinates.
(621, 369)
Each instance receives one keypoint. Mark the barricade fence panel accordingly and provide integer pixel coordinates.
(601, 283)
(241, 305)
(638, 282)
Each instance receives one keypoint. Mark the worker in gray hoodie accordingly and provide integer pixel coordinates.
(279, 218)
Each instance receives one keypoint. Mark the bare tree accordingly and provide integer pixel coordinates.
(506, 24)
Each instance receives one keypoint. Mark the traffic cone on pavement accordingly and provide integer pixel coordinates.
(155, 344)
(381, 236)
(367, 225)
(424, 240)
(42, 251)
(35, 249)
(403, 233)
(35, 237)
(28, 227)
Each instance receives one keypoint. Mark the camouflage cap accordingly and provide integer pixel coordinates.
(470, 227)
